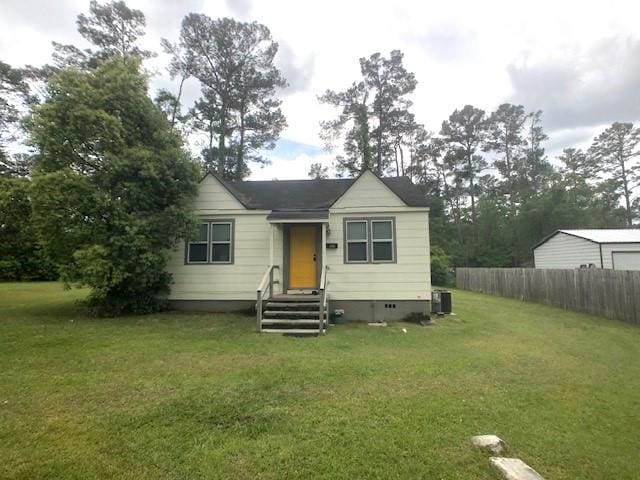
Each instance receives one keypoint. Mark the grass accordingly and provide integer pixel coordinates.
(181, 395)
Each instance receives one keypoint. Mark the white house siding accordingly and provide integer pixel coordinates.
(368, 192)
(407, 279)
(566, 251)
(213, 196)
(237, 281)
(623, 261)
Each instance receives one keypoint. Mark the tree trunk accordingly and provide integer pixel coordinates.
(512, 203)
(174, 113)
(471, 188)
(240, 156)
(625, 186)
(221, 142)
(379, 142)
(401, 159)
(395, 154)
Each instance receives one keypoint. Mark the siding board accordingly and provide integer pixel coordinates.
(407, 279)
(566, 251)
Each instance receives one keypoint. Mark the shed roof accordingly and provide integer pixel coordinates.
(600, 235)
(312, 194)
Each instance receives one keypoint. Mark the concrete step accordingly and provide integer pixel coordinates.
(296, 313)
(301, 331)
(289, 321)
(294, 298)
(293, 304)
(514, 469)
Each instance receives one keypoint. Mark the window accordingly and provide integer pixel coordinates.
(357, 240)
(369, 240)
(221, 242)
(213, 243)
(199, 245)
(382, 240)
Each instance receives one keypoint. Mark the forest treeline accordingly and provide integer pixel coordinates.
(96, 180)
(494, 190)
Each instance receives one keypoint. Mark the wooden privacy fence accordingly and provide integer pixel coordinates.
(609, 293)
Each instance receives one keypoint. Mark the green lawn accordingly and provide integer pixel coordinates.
(203, 396)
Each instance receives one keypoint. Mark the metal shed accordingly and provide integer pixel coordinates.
(617, 249)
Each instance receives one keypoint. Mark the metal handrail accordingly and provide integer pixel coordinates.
(323, 299)
(266, 284)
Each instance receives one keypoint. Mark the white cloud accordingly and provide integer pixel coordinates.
(290, 169)
(460, 51)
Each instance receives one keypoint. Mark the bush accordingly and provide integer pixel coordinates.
(440, 266)
(110, 209)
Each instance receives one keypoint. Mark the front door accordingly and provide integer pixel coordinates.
(302, 257)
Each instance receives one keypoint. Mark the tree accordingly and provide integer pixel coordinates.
(532, 167)
(112, 186)
(374, 115)
(390, 82)
(425, 153)
(180, 66)
(113, 27)
(505, 137)
(577, 169)
(170, 106)
(353, 121)
(204, 117)
(14, 97)
(464, 133)
(318, 171)
(21, 256)
(616, 149)
(234, 62)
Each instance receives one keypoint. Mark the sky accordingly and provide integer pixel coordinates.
(578, 62)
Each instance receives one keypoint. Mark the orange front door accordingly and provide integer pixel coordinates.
(302, 257)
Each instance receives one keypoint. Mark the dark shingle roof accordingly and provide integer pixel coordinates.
(312, 194)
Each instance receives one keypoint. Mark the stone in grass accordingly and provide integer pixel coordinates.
(492, 443)
(514, 469)
(377, 324)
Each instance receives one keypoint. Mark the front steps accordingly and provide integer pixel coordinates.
(293, 314)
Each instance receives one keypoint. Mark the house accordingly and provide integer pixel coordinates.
(299, 249)
(617, 249)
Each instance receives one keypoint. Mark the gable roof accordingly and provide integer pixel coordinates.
(311, 194)
(600, 235)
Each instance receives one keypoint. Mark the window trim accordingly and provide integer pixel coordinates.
(200, 242)
(232, 236)
(384, 240)
(365, 241)
(369, 226)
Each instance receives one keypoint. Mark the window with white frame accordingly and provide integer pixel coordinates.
(221, 242)
(357, 241)
(382, 240)
(213, 243)
(198, 246)
(370, 240)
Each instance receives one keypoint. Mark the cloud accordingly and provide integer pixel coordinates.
(298, 71)
(582, 87)
(54, 20)
(289, 150)
(165, 16)
(446, 43)
(581, 137)
(240, 8)
(290, 169)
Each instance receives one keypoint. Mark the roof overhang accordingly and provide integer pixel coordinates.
(298, 216)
